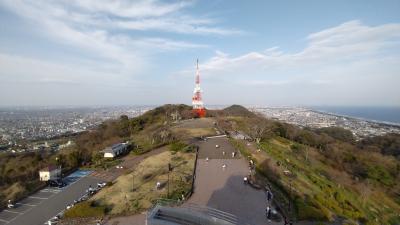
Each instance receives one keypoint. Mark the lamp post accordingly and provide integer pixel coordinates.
(290, 201)
(169, 170)
(133, 182)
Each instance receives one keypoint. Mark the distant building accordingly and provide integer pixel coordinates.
(50, 173)
(238, 135)
(115, 150)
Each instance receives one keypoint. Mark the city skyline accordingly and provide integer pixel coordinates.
(144, 52)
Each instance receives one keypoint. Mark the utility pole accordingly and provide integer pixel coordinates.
(290, 200)
(133, 181)
(169, 169)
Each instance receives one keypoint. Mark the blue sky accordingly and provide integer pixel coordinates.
(90, 52)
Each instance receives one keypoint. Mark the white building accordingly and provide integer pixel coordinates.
(115, 150)
(50, 173)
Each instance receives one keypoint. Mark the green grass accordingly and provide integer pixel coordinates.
(319, 197)
(86, 209)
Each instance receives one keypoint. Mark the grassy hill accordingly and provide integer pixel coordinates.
(19, 173)
(325, 173)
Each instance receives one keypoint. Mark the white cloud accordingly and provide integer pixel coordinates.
(130, 9)
(98, 28)
(339, 65)
(348, 42)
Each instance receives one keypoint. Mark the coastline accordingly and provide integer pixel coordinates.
(380, 122)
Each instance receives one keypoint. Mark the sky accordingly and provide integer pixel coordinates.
(270, 53)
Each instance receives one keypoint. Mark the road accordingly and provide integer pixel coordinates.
(38, 208)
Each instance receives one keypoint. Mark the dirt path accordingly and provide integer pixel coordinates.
(129, 163)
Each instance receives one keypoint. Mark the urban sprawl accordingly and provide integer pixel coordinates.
(32, 129)
(304, 117)
(27, 129)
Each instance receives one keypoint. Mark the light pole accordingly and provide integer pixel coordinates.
(133, 182)
(169, 170)
(290, 201)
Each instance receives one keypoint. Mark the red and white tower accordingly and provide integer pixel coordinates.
(197, 101)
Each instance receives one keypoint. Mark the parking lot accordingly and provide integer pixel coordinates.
(41, 206)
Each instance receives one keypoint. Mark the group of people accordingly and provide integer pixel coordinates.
(269, 203)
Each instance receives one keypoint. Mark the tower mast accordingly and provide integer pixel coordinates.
(197, 101)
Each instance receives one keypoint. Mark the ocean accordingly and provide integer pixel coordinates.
(382, 114)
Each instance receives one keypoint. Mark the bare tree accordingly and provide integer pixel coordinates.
(258, 127)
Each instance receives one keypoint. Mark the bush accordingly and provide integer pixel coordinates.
(177, 146)
(269, 171)
(85, 209)
(381, 175)
(307, 211)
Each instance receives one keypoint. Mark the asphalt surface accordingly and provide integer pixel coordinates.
(209, 150)
(38, 208)
(222, 188)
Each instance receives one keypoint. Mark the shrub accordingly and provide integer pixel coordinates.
(85, 209)
(307, 211)
(177, 146)
(268, 170)
(380, 174)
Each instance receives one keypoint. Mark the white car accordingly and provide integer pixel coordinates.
(101, 185)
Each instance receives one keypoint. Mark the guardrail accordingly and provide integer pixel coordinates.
(192, 214)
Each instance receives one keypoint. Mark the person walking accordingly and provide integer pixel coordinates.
(268, 213)
(269, 196)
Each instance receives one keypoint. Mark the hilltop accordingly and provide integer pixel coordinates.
(323, 173)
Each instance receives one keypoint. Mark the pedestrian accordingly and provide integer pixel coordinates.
(245, 180)
(158, 185)
(269, 196)
(223, 166)
(233, 154)
(286, 222)
(206, 159)
(268, 212)
(223, 153)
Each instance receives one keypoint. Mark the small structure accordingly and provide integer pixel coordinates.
(50, 173)
(115, 150)
(238, 135)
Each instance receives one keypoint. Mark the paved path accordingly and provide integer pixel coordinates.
(223, 189)
(220, 188)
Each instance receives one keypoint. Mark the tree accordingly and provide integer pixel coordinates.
(258, 128)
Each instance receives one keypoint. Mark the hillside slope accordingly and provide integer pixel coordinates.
(324, 172)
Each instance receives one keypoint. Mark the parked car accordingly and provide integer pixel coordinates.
(101, 185)
(56, 183)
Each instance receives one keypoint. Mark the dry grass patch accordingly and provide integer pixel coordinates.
(136, 191)
(193, 132)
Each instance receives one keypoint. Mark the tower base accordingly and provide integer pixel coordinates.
(199, 113)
